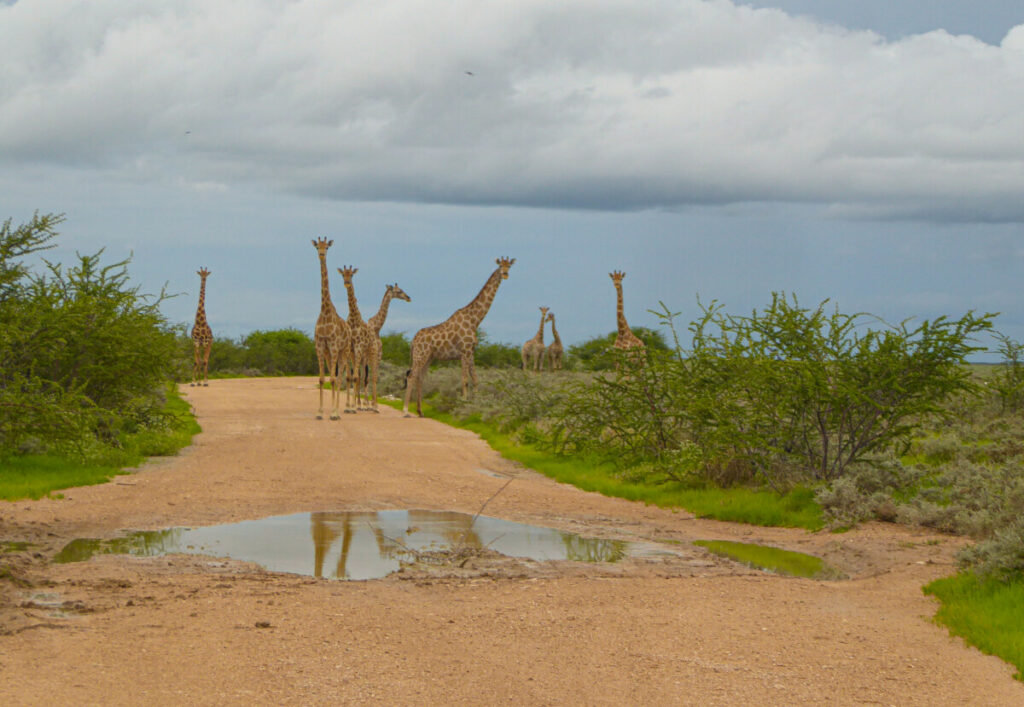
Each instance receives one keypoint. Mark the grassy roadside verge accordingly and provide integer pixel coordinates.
(741, 505)
(987, 613)
(36, 476)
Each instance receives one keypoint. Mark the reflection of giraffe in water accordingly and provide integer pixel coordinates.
(326, 527)
(398, 543)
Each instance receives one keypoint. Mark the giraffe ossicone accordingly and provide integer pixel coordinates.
(454, 338)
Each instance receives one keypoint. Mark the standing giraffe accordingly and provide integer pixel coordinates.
(362, 340)
(555, 351)
(625, 339)
(202, 336)
(331, 336)
(533, 350)
(451, 339)
(376, 322)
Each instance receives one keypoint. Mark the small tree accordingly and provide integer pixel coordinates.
(1008, 382)
(82, 352)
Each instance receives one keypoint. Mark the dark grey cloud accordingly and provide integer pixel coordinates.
(615, 106)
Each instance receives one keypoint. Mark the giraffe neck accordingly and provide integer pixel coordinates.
(540, 330)
(353, 307)
(377, 320)
(326, 306)
(620, 313)
(476, 310)
(554, 333)
(201, 309)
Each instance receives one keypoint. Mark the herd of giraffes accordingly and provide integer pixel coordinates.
(353, 346)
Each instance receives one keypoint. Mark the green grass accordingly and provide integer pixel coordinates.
(794, 564)
(987, 613)
(742, 505)
(36, 476)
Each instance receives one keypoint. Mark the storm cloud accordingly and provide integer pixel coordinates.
(610, 105)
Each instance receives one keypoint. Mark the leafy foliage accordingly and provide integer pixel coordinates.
(597, 354)
(1008, 382)
(788, 395)
(83, 354)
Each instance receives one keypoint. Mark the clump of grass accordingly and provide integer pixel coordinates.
(37, 476)
(987, 613)
(787, 562)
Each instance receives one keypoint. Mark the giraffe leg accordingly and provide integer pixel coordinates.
(374, 373)
(351, 388)
(195, 362)
(206, 363)
(336, 367)
(320, 365)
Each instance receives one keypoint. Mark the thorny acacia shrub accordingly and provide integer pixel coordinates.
(82, 352)
(786, 395)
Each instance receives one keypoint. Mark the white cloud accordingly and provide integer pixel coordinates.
(587, 103)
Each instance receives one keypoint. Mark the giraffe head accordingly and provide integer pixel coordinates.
(551, 317)
(321, 245)
(505, 264)
(616, 276)
(543, 313)
(203, 273)
(346, 273)
(398, 293)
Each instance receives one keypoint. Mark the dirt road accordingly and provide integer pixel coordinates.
(678, 627)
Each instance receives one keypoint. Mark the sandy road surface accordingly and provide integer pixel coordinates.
(671, 629)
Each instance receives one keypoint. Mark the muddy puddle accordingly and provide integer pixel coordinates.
(354, 545)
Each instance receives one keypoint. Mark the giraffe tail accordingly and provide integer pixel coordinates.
(406, 384)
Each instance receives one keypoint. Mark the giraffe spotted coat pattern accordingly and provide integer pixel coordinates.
(455, 338)
(202, 336)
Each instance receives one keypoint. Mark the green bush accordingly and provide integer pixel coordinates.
(83, 354)
(285, 351)
(395, 348)
(786, 396)
(596, 354)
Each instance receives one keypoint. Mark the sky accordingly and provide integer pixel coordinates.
(869, 153)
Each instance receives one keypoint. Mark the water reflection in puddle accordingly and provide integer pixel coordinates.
(352, 545)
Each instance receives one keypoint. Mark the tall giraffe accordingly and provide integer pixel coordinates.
(202, 336)
(452, 338)
(362, 340)
(376, 323)
(626, 339)
(533, 350)
(555, 351)
(331, 336)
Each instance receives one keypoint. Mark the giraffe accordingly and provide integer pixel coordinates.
(451, 339)
(332, 337)
(555, 351)
(362, 340)
(625, 339)
(376, 322)
(202, 336)
(533, 350)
